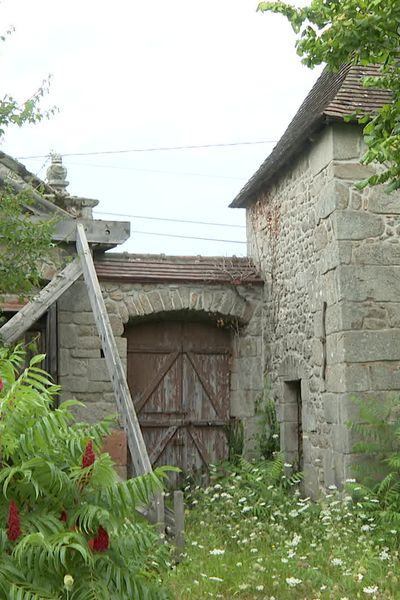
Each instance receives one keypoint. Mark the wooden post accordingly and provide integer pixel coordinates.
(125, 406)
(160, 512)
(179, 514)
(31, 312)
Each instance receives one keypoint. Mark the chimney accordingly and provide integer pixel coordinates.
(57, 179)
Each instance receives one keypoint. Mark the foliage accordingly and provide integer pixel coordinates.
(378, 474)
(234, 432)
(268, 436)
(358, 32)
(14, 112)
(68, 527)
(23, 244)
(251, 535)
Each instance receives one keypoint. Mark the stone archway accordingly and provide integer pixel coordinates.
(167, 299)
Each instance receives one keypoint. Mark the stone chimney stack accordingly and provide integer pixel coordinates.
(57, 175)
(57, 179)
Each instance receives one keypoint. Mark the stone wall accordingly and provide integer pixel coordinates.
(330, 256)
(364, 333)
(82, 370)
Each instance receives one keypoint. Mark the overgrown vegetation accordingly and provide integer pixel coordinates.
(251, 535)
(68, 527)
(378, 471)
(267, 438)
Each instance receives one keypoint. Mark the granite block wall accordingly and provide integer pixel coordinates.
(330, 257)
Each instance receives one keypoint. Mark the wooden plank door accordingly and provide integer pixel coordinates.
(178, 375)
(206, 387)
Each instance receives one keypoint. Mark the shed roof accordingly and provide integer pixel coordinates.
(333, 96)
(148, 268)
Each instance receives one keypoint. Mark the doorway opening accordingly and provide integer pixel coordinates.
(292, 396)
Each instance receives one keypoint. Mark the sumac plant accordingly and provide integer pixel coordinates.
(68, 526)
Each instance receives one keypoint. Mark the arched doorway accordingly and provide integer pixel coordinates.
(179, 378)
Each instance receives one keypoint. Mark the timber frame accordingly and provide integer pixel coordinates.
(101, 235)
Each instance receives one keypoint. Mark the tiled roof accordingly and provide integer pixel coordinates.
(333, 96)
(147, 268)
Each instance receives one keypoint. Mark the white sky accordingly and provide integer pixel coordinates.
(139, 74)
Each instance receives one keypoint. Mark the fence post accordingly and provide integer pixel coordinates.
(179, 514)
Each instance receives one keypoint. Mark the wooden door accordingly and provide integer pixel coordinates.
(179, 378)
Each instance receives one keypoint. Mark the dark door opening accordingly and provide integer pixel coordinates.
(293, 397)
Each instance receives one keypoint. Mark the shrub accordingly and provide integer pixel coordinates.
(378, 474)
(68, 527)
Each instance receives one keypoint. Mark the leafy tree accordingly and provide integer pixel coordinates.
(68, 527)
(22, 243)
(357, 32)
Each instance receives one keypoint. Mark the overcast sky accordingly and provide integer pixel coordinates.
(136, 74)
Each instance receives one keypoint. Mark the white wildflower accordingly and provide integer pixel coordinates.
(384, 555)
(372, 589)
(293, 581)
(336, 562)
(295, 540)
(68, 582)
(218, 579)
(217, 552)
(259, 588)
(241, 500)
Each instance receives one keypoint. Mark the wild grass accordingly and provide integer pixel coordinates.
(250, 535)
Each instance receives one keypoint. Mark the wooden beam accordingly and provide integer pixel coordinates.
(126, 410)
(39, 205)
(31, 312)
(97, 232)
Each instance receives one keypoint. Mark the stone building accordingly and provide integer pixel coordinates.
(330, 258)
(314, 311)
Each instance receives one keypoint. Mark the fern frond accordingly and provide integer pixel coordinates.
(25, 592)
